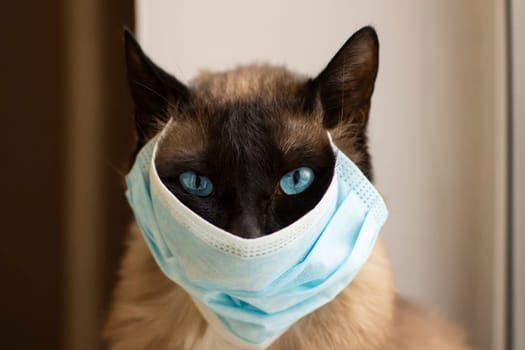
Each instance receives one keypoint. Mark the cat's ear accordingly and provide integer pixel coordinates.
(154, 92)
(345, 86)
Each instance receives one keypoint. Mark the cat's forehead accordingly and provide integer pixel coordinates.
(262, 82)
(250, 107)
(236, 127)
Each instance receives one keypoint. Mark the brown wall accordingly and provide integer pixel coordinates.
(118, 140)
(33, 150)
(32, 175)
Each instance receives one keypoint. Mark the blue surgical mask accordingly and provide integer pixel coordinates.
(252, 290)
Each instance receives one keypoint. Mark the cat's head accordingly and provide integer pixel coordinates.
(247, 149)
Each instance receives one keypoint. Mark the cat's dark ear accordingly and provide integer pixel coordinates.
(153, 91)
(345, 86)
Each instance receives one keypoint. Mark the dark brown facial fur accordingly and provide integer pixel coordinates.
(246, 128)
(245, 162)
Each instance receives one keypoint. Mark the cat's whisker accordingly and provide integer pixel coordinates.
(156, 93)
(115, 168)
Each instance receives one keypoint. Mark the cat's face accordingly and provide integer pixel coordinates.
(248, 149)
(243, 131)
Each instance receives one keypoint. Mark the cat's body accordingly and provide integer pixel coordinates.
(150, 311)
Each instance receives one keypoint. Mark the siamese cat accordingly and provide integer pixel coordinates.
(244, 129)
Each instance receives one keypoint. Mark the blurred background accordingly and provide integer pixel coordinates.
(447, 138)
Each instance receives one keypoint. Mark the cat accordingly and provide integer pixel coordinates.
(245, 128)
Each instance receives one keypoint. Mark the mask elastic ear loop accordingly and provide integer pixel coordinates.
(334, 147)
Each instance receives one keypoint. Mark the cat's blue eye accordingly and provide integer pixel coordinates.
(296, 181)
(196, 184)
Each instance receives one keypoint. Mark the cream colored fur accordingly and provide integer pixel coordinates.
(151, 312)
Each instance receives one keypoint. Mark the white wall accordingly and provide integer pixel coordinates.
(437, 122)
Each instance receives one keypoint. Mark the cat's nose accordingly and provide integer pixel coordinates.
(246, 226)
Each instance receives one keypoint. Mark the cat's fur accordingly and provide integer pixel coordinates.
(287, 115)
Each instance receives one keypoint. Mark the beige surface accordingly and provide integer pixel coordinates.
(518, 80)
(437, 122)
